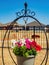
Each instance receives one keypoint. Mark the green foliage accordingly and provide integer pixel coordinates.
(34, 51)
(23, 51)
(16, 50)
(26, 54)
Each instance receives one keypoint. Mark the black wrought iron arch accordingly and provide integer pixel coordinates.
(25, 15)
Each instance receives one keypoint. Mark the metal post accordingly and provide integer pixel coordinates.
(25, 25)
(34, 33)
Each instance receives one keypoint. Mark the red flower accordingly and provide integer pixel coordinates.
(35, 45)
(38, 47)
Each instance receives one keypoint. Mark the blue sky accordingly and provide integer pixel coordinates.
(8, 9)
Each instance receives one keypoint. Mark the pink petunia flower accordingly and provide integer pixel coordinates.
(28, 43)
(27, 46)
(19, 45)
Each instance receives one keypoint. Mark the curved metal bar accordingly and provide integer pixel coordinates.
(33, 13)
(27, 16)
(8, 43)
(3, 47)
(28, 11)
(46, 55)
(46, 58)
(8, 46)
(43, 59)
(9, 49)
(47, 48)
(22, 11)
(18, 13)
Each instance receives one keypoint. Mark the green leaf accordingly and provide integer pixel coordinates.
(30, 52)
(26, 54)
(34, 52)
(16, 50)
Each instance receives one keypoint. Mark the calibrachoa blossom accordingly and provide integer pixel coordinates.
(25, 47)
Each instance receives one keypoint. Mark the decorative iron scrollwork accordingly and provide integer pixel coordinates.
(25, 12)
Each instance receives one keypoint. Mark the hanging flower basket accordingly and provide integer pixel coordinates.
(25, 50)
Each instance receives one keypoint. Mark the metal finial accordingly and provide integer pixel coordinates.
(25, 4)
